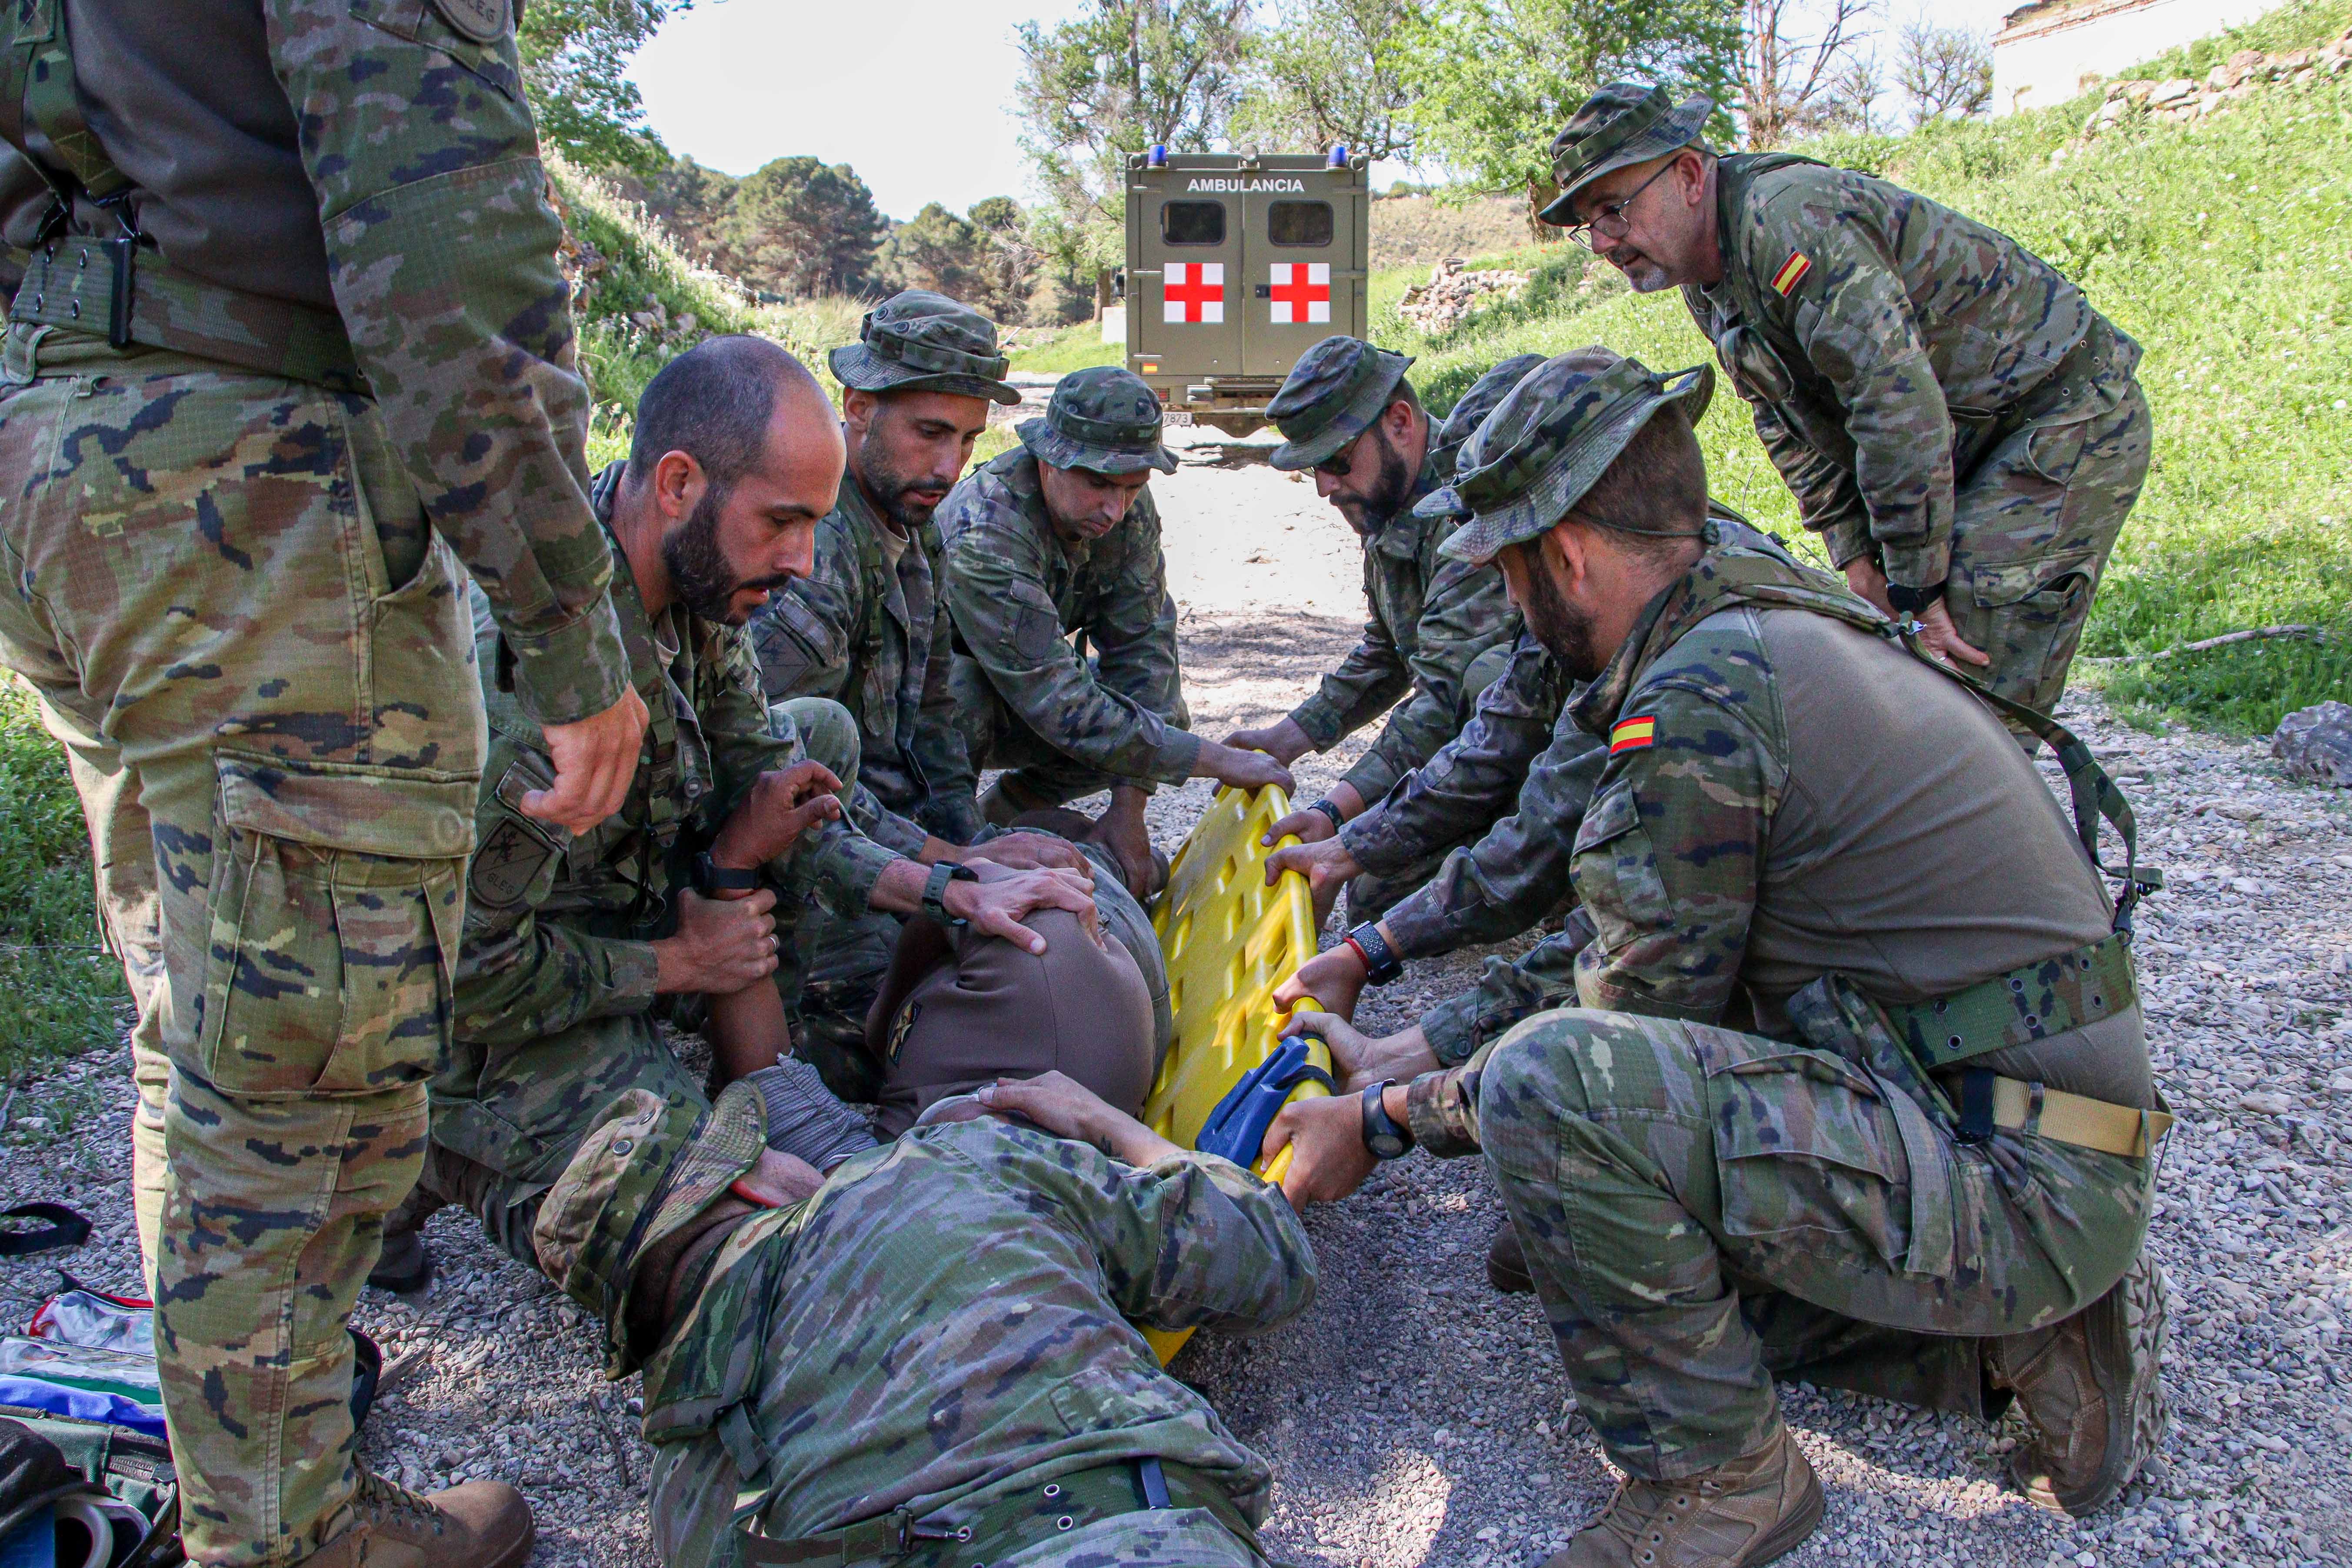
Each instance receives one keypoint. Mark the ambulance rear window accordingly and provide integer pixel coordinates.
(1298, 222)
(1199, 223)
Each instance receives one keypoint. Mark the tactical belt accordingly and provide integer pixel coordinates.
(2028, 1004)
(2100, 349)
(114, 288)
(1988, 1100)
(1011, 1524)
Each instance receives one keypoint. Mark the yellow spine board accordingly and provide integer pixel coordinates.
(1229, 941)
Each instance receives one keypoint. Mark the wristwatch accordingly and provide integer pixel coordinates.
(1911, 601)
(1330, 810)
(1380, 964)
(709, 878)
(935, 890)
(1383, 1136)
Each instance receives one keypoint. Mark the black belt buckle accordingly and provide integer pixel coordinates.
(122, 252)
(1154, 1482)
(1975, 1124)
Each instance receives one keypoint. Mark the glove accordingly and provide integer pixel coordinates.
(804, 1118)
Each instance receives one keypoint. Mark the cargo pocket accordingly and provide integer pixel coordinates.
(334, 919)
(1810, 1159)
(1615, 870)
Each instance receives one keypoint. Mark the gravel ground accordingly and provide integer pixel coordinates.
(1416, 1416)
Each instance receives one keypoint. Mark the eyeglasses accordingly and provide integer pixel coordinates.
(1609, 217)
(1341, 463)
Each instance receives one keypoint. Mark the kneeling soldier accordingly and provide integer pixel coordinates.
(1858, 1091)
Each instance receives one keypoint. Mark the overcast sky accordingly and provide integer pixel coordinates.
(914, 93)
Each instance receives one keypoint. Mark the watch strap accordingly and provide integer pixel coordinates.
(935, 890)
(1911, 601)
(1330, 810)
(711, 878)
(1383, 1137)
(1381, 963)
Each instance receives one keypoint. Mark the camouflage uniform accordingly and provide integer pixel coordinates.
(865, 629)
(1440, 631)
(1067, 723)
(235, 532)
(917, 1338)
(1742, 1152)
(556, 1010)
(1938, 397)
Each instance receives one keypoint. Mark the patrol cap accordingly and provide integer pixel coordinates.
(1625, 123)
(1548, 441)
(917, 340)
(1333, 394)
(1103, 419)
(1470, 413)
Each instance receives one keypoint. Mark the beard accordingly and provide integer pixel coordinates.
(905, 501)
(699, 572)
(1643, 275)
(1565, 631)
(1372, 513)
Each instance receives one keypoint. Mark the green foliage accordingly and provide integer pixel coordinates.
(2300, 25)
(575, 61)
(1328, 72)
(797, 226)
(1497, 79)
(59, 994)
(1073, 348)
(2225, 248)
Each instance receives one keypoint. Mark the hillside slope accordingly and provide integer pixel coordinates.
(2225, 248)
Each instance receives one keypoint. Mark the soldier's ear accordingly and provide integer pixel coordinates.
(858, 407)
(679, 484)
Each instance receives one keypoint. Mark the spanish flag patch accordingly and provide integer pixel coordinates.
(1793, 272)
(1633, 734)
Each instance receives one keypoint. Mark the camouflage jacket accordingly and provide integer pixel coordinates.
(1881, 340)
(1016, 592)
(238, 127)
(1429, 619)
(557, 924)
(948, 1320)
(874, 640)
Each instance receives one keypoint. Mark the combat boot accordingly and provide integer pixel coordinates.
(481, 1524)
(1737, 1515)
(1507, 1262)
(2093, 1389)
(405, 1264)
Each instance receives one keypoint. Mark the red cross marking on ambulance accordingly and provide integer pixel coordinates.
(1193, 292)
(1301, 292)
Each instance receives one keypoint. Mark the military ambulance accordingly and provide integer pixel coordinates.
(1237, 264)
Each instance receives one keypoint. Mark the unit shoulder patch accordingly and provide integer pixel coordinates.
(1633, 734)
(508, 862)
(1793, 272)
(483, 21)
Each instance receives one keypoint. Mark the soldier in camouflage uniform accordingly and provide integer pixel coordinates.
(257, 407)
(863, 627)
(1439, 631)
(1959, 425)
(1060, 535)
(1855, 1088)
(576, 944)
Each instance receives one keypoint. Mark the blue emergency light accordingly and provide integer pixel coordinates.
(1339, 154)
(1157, 158)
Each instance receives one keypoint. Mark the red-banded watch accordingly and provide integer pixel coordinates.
(1381, 963)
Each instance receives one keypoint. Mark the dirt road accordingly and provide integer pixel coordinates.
(1419, 1418)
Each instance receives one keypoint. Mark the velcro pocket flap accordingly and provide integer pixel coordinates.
(405, 814)
(1998, 583)
(1615, 870)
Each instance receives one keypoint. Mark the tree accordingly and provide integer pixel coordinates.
(984, 258)
(1945, 72)
(1116, 79)
(1850, 99)
(1328, 72)
(1787, 81)
(797, 227)
(1497, 79)
(575, 59)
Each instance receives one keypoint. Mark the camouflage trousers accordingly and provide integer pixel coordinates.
(1701, 1208)
(2032, 526)
(256, 654)
(1038, 774)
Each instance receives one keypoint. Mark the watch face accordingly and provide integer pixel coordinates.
(1385, 1145)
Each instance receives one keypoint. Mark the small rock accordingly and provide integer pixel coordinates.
(2315, 744)
(2265, 1101)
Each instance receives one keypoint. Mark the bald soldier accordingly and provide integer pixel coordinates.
(1438, 631)
(1060, 536)
(1957, 424)
(1854, 1087)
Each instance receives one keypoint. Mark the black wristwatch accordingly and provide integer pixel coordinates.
(1383, 1136)
(1911, 601)
(1328, 809)
(1380, 964)
(709, 878)
(935, 890)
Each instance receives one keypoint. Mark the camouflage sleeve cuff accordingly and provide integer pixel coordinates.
(1178, 756)
(573, 672)
(1374, 774)
(1919, 566)
(892, 831)
(1452, 1028)
(1417, 928)
(839, 865)
(633, 971)
(1845, 538)
(1441, 1109)
(1322, 720)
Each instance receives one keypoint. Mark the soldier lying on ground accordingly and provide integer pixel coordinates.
(1959, 425)
(1060, 535)
(864, 628)
(575, 944)
(1440, 631)
(1856, 1091)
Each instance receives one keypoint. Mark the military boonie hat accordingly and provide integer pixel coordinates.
(1102, 419)
(1625, 123)
(920, 341)
(1333, 394)
(1551, 438)
(1478, 403)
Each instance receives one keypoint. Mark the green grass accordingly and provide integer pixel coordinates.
(59, 994)
(2225, 248)
(1069, 349)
